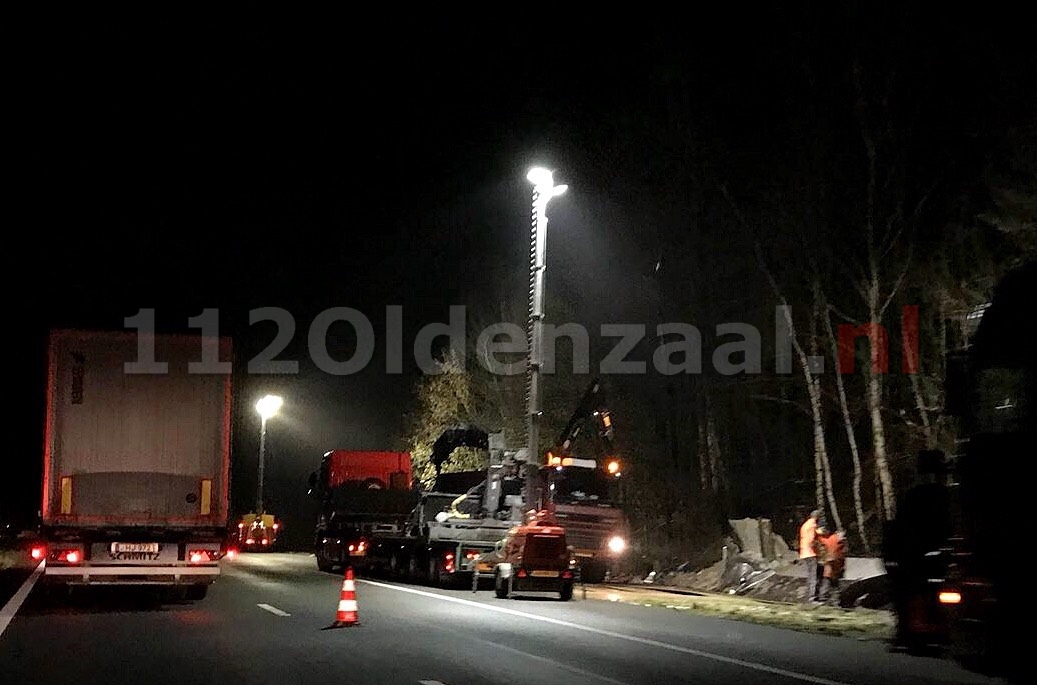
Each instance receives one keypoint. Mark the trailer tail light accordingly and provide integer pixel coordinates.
(38, 552)
(567, 575)
(231, 553)
(448, 566)
(199, 556)
(470, 554)
(69, 556)
(521, 573)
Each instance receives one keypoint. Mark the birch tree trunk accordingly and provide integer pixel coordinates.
(870, 289)
(874, 400)
(851, 437)
(813, 387)
(818, 411)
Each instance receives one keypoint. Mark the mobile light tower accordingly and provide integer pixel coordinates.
(267, 407)
(543, 190)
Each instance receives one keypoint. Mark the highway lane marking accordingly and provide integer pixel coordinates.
(795, 675)
(15, 603)
(431, 682)
(273, 610)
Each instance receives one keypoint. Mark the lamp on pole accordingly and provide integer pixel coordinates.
(266, 407)
(543, 190)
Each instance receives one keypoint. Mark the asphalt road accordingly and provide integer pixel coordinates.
(262, 623)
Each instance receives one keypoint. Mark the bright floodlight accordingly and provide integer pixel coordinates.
(558, 190)
(269, 405)
(539, 176)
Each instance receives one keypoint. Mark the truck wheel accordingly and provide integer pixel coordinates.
(323, 563)
(501, 588)
(566, 593)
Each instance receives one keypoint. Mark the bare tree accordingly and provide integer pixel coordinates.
(822, 484)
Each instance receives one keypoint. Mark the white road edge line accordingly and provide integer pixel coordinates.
(273, 610)
(805, 677)
(15, 603)
(431, 682)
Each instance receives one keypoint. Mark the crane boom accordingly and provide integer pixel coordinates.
(591, 406)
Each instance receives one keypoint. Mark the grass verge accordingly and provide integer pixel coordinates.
(863, 624)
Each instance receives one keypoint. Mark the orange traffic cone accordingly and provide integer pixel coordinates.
(346, 614)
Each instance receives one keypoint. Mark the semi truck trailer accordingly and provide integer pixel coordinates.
(136, 460)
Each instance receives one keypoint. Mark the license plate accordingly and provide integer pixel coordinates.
(544, 574)
(124, 547)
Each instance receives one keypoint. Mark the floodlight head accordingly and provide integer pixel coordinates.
(268, 406)
(539, 176)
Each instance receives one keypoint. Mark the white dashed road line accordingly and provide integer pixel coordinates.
(273, 610)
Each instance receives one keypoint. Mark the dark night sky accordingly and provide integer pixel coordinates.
(318, 164)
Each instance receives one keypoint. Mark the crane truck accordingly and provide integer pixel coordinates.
(375, 521)
(584, 495)
(363, 495)
(136, 461)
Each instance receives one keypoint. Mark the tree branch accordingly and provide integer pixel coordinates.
(782, 400)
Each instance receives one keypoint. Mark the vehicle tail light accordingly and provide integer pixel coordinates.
(250, 541)
(38, 552)
(470, 554)
(449, 565)
(567, 574)
(264, 541)
(521, 573)
(198, 556)
(361, 546)
(950, 597)
(231, 553)
(69, 556)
